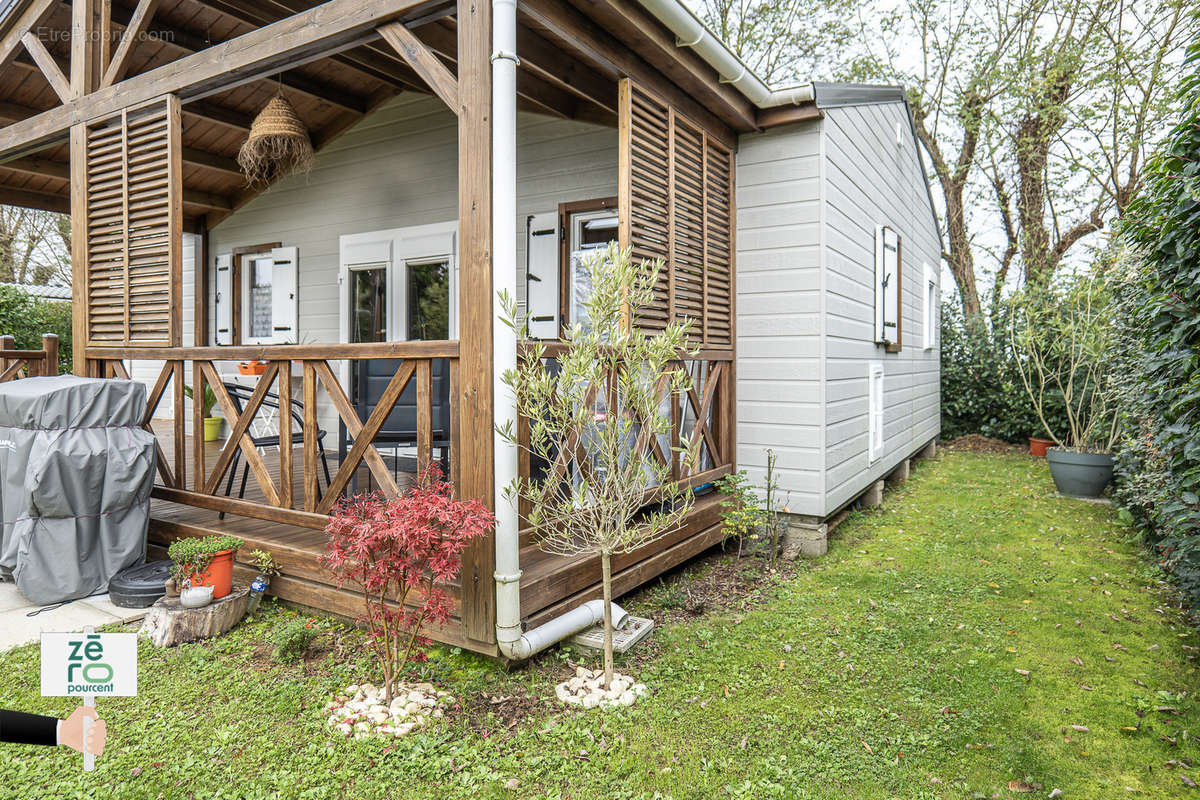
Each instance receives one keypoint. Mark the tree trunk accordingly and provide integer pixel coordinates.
(606, 579)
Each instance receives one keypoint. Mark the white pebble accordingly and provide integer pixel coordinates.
(590, 701)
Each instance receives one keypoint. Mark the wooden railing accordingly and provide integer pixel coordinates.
(16, 363)
(702, 438)
(280, 502)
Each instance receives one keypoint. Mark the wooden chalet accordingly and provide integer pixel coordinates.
(128, 114)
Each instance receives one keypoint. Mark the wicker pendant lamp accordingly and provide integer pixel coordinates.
(278, 144)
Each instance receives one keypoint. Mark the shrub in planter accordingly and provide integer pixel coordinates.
(205, 562)
(981, 387)
(403, 551)
(1062, 338)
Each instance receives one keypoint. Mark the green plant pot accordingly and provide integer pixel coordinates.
(212, 428)
(1079, 474)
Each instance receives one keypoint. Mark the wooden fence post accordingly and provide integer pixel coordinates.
(50, 346)
(6, 343)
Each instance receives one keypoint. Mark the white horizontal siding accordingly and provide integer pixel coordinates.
(873, 181)
(398, 167)
(779, 310)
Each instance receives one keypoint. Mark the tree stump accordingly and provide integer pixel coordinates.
(168, 623)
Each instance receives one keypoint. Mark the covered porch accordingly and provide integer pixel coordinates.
(138, 141)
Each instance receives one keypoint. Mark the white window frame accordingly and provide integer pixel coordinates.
(875, 397)
(395, 249)
(283, 309)
(930, 297)
(887, 267)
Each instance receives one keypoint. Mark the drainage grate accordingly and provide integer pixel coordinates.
(636, 629)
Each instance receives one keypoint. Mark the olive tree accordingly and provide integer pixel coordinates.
(602, 484)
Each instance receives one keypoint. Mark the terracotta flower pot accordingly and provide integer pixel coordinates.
(219, 575)
(1037, 447)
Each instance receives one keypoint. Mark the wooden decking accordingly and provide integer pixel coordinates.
(549, 584)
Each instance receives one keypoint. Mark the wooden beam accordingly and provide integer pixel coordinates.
(645, 35)
(376, 62)
(34, 165)
(85, 66)
(206, 200)
(78, 209)
(226, 117)
(15, 112)
(189, 42)
(314, 34)
(431, 69)
(784, 115)
(574, 32)
(211, 161)
(39, 200)
(134, 29)
(475, 306)
(49, 69)
(33, 17)
(540, 56)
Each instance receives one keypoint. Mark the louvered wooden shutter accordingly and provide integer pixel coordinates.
(676, 196)
(134, 227)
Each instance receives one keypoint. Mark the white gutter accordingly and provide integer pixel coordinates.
(512, 642)
(693, 33)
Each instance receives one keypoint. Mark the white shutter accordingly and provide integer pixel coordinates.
(875, 410)
(223, 302)
(891, 286)
(284, 301)
(542, 274)
(879, 278)
(931, 308)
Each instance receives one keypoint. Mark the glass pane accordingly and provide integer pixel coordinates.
(428, 297)
(368, 295)
(260, 297)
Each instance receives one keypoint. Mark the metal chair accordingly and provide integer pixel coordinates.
(370, 379)
(240, 395)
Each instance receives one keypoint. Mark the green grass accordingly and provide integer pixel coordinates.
(886, 669)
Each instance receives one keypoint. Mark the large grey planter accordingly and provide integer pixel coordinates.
(1079, 474)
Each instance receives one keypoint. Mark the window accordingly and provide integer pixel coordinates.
(887, 288)
(875, 411)
(931, 309)
(368, 303)
(256, 295)
(427, 309)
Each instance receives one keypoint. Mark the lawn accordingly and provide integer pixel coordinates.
(976, 637)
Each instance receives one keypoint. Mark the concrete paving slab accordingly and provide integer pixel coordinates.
(104, 604)
(17, 628)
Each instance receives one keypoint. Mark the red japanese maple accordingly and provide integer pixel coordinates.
(399, 553)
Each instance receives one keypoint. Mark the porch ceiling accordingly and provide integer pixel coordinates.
(572, 54)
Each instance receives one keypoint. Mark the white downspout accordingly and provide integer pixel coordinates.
(693, 33)
(512, 642)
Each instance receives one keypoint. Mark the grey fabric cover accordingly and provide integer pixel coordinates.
(75, 477)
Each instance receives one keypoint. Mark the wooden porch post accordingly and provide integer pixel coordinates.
(84, 79)
(475, 303)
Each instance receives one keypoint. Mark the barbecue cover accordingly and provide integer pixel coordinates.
(76, 471)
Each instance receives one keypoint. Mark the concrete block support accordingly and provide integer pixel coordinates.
(873, 496)
(929, 450)
(900, 474)
(802, 538)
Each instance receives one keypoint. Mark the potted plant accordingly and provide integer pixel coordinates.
(212, 425)
(1038, 446)
(267, 568)
(205, 562)
(1062, 349)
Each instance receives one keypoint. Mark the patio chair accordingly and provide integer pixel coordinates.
(240, 395)
(368, 382)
